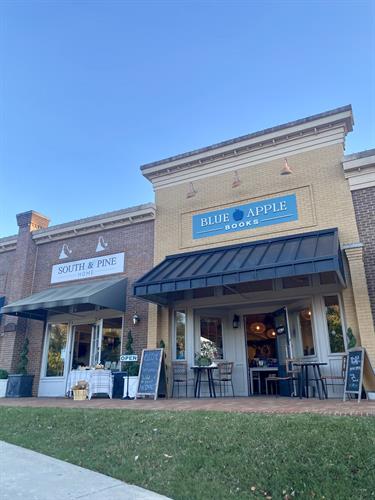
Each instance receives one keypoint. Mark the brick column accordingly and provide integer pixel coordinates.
(22, 278)
(361, 299)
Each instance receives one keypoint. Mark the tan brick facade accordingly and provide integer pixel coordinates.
(323, 200)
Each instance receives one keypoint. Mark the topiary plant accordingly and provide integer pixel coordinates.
(351, 338)
(133, 367)
(3, 374)
(24, 360)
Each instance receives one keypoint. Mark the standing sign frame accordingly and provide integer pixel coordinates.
(159, 372)
(351, 378)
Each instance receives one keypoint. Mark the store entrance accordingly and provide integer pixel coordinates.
(82, 345)
(267, 346)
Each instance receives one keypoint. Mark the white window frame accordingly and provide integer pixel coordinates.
(45, 351)
(174, 336)
(343, 323)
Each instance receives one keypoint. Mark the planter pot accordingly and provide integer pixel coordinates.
(133, 385)
(3, 387)
(370, 395)
(19, 386)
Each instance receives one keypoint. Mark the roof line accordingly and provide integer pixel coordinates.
(236, 140)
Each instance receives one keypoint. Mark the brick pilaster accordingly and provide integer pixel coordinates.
(22, 276)
(361, 299)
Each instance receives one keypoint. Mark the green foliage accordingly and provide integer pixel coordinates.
(133, 367)
(351, 338)
(3, 374)
(336, 338)
(162, 344)
(24, 360)
(197, 455)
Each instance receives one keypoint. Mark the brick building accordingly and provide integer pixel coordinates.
(262, 246)
(259, 250)
(74, 281)
(359, 169)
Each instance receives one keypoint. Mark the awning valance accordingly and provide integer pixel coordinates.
(296, 255)
(110, 294)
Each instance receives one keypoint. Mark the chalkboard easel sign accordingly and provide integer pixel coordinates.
(152, 377)
(354, 372)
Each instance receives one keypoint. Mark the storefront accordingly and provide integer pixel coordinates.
(257, 251)
(67, 290)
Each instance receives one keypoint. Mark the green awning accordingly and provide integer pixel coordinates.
(108, 294)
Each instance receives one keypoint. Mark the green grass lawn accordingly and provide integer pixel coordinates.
(208, 455)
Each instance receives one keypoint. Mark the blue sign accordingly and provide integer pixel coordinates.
(244, 217)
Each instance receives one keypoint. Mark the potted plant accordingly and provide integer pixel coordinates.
(3, 382)
(131, 368)
(207, 354)
(20, 384)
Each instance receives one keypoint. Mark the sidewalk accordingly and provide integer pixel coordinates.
(31, 475)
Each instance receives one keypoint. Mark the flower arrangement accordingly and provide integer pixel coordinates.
(207, 354)
(80, 385)
(99, 366)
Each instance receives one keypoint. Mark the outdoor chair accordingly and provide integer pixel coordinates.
(335, 380)
(180, 376)
(291, 376)
(224, 376)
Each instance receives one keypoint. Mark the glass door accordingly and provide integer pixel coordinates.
(284, 346)
(96, 343)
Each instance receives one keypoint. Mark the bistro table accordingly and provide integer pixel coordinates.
(304, 377)
(198, 370)
(259, 369)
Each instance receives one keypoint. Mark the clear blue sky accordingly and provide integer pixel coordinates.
(91, 90)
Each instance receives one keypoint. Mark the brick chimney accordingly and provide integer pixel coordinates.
(21, 281)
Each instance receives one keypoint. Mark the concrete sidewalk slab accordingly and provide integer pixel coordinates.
(27, 474)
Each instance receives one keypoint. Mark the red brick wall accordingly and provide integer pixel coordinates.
(32, 273)
(364, 206)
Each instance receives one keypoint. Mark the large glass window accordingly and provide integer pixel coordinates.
(57, 342)
(212, 331)
(307, 338)
(111, 341)
(334, 324)
(180, 325)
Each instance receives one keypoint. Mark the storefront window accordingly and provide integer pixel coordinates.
(307, 338)
(111, 342)
(180, 325)
(333, 317)
(57, 341)
(212, 331)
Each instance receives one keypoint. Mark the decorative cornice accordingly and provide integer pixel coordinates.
(359, 169)
(8, 244)
(334, 124)
(97, 223)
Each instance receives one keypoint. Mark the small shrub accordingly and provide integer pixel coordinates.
(3, 374)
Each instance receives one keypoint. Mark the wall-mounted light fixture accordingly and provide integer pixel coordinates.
(136, 319)
(286, 170)
(236, 321)
(236, 180)
(192, 191)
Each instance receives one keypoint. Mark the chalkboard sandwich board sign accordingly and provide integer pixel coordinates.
(152, 377)
(354, 372)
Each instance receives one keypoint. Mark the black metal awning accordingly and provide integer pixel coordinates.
(301, 254)
(109, 294)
